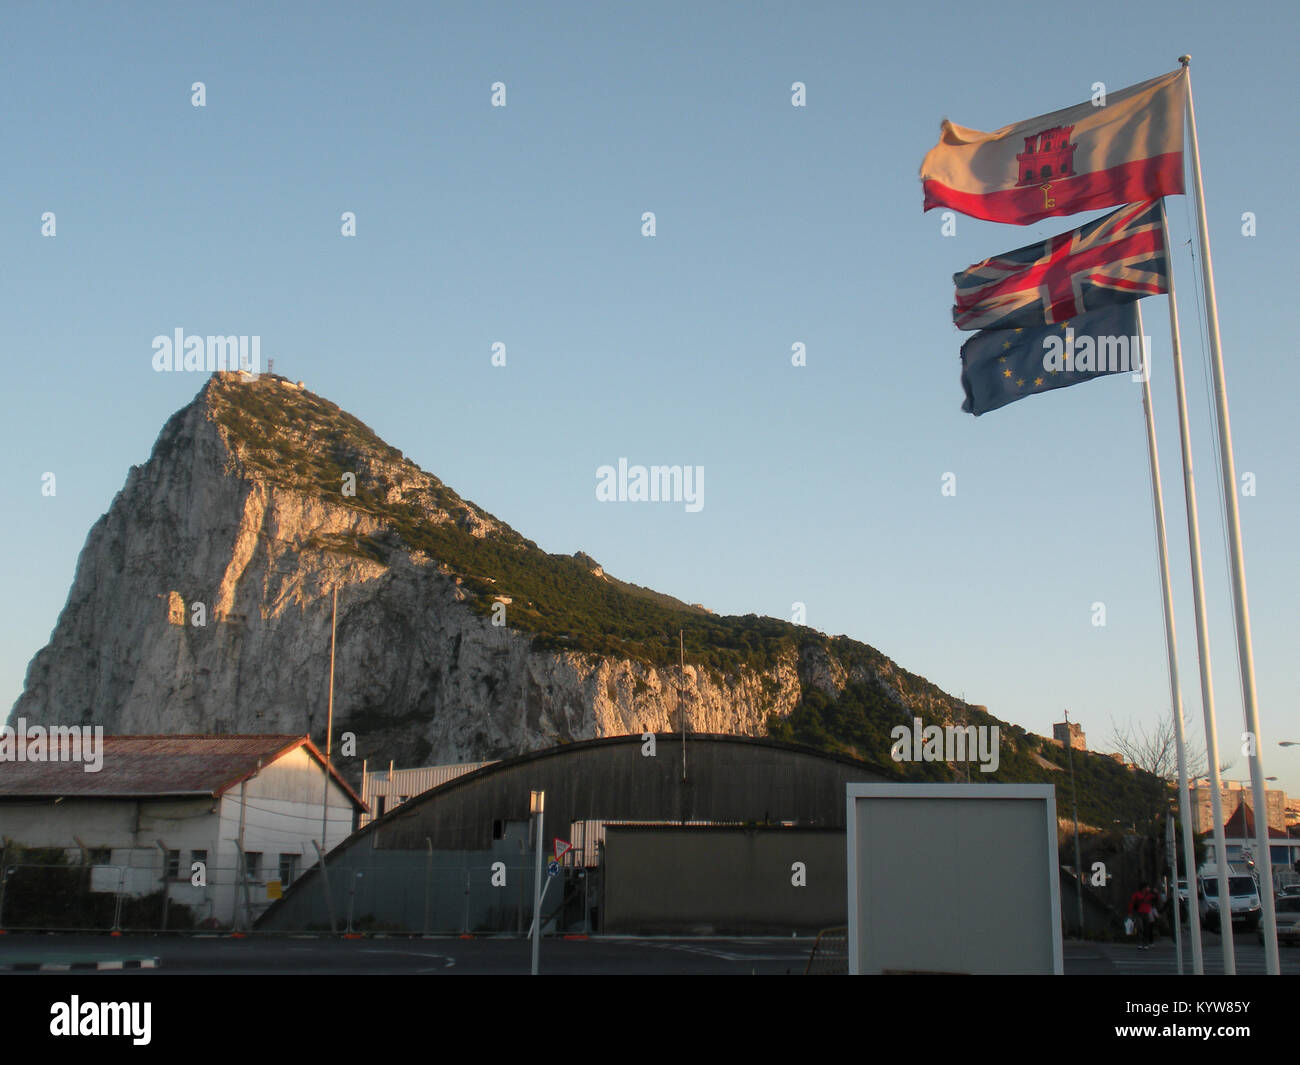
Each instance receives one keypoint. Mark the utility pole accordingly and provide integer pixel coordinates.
(243, 861)
(1074, 801)
(681, 706)
(329, 727)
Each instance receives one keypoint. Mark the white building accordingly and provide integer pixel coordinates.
(173, 812)
(383, 791)
(1242, 848)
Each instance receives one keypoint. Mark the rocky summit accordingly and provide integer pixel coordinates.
(202, 603)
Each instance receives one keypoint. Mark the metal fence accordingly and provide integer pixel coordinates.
(125, 897)
(407, 892)
(415, 897)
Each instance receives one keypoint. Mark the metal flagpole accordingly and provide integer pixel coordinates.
(1202, 625)
(1171, 645)
(1245, 653)
(1172, 858)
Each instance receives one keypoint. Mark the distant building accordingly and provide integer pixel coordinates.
(387, 789)
(1243, 848)
(160, 804)
(1068, 732)
(1234, 795)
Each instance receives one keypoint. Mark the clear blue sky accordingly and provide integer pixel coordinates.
(775, 225)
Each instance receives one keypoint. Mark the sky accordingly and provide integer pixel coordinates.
(775, 225)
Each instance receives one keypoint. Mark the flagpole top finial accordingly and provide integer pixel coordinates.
(1184, 59)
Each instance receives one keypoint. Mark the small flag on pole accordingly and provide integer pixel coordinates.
(1116, 259)
(1123, 148)
(1000, 366)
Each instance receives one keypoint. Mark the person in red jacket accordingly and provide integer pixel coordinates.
(1142, 908)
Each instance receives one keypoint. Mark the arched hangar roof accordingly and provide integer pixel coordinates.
(727, 779)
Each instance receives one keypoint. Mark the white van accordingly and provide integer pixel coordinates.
(1243, 901)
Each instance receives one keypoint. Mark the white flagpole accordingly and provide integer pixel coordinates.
(1198, 600)
(1171, 649)
(1245, 653)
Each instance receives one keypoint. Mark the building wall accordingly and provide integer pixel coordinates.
(1233, 796)
(281, 809)
(130, 830)
(282, 815)
(723, 880)
(1064, 731)
(120, 824)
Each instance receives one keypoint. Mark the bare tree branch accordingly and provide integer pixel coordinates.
(1156, 751)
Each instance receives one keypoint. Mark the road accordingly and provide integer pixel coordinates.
(308, 954)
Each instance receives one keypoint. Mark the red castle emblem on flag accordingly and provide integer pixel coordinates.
(1047, 155)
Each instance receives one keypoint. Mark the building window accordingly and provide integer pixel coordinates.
(1047, 171)
(198, 856)
(288, 869)
(1029, 174)
(498, 830)
(99, 855)
(380, 803)
(172, 866)
(253, 864)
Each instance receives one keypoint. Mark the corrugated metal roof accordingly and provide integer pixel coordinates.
(407, 783)
(155, 766)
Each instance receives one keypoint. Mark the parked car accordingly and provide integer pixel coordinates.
(1286, 911)
(1243, 901)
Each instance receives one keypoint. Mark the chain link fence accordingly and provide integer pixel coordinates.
(136, 894)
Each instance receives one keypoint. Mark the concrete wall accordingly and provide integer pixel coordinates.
(113, 823)
(723, 880)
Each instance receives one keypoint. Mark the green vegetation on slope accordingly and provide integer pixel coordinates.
(296, 439)
(858, 724)
(293, 438)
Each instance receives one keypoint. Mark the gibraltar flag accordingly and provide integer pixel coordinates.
(1078, 159)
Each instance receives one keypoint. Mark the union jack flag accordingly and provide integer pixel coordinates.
(1116, 259)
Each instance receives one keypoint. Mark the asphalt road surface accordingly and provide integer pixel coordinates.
(310, 954)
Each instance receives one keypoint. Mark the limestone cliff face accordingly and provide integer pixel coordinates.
(202, 603)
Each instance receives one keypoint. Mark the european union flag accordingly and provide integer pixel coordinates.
(1000, 366)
